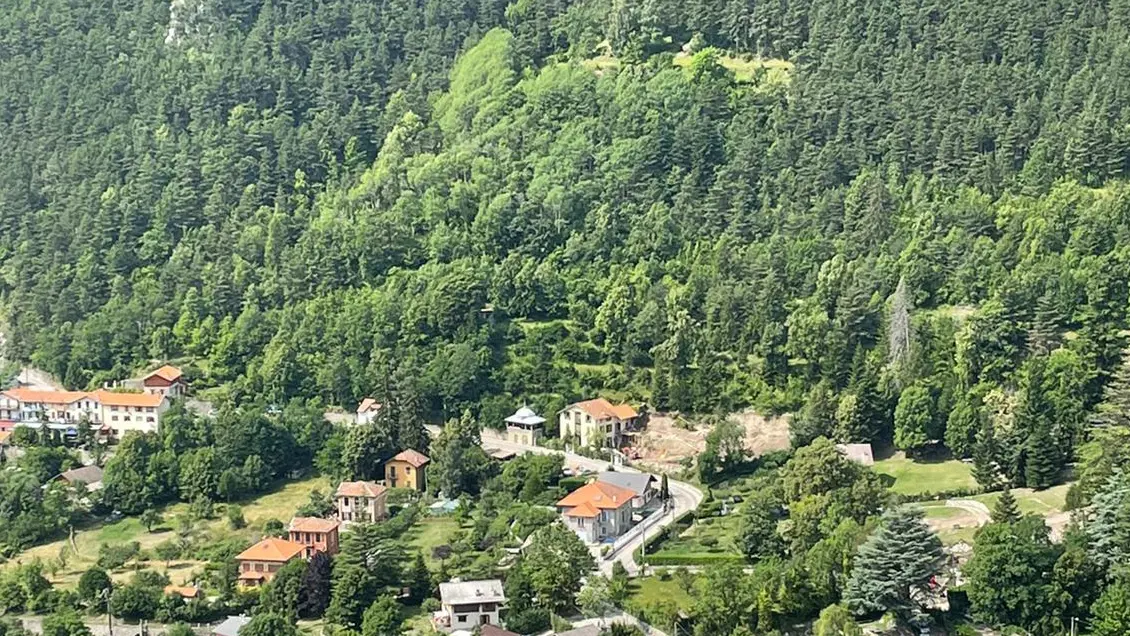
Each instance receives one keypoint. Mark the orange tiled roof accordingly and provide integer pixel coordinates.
(598, 495)
(113, 398)
(359, 489)
(46, 397)
(168, 373)
(272, 549)
(312, 524)
(602, 409)
(585, 509)
(185, 592)
(368, 404)
(413, 457)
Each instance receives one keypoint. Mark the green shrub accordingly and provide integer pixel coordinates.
(694, 558)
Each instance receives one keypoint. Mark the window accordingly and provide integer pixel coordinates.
(114, 417)
(149, 419)
(461, 618)
(258, 567)
(113, 408)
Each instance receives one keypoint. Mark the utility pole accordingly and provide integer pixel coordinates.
(1073, 621)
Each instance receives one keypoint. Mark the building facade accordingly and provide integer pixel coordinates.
(259, 563)
(598, 511)
(317, 535)
(168, 380)
(111, 412)
(524, 427)
(408, 469)
(361, 501)
(596, 423)
(468, 604)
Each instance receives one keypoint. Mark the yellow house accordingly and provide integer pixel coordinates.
(407, 470)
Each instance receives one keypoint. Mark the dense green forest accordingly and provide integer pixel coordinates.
(477, 203)
(901, 221)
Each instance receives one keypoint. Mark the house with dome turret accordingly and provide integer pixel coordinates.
(525, 427)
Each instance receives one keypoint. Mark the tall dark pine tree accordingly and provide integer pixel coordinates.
(1114, 410)
(986, 459)
(1043, 461)
(1005, 510)
(314, 593)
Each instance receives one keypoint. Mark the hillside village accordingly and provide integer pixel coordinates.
(564, 317)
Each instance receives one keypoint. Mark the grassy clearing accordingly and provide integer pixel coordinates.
(430, 532)
(1036, 502)
(280, 504)
(653, 589)
(771, 71)
(747, 71)
(922, 478)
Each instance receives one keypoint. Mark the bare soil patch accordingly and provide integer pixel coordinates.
(671, 437)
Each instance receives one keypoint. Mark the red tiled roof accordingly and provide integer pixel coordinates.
(413, 457)
(602, 409)
(368, 404)
(45, 397)
(114, 398)
(168, 373)
(598, 495)
(185, 592)
(272, 549)
(359, 489)
(584, 509)
(312, 524)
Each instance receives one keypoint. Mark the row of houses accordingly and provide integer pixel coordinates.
(595, 422)
(112, 413)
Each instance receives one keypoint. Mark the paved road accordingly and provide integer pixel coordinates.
(684, 498)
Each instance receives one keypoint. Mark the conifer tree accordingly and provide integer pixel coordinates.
(1114, 410)
(1005, 510)
(1043, 461)
(986, 459)
(895, 564)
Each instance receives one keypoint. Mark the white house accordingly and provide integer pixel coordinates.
(114, 413)
(524, 427)
(596, 422)
(598, 511)
(122, 412)
(367, 410)
(642, 484)
(466, 604)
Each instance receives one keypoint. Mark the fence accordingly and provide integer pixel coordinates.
(638, 531)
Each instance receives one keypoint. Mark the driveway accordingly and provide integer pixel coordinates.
(684, 498)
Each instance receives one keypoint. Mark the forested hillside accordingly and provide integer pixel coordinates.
(479, 203)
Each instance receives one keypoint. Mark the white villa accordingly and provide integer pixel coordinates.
(467, 604)
(596, 422)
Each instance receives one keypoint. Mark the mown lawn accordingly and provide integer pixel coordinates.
(911, 477)
(430, 532)
(1036, 502)
(653, 589)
